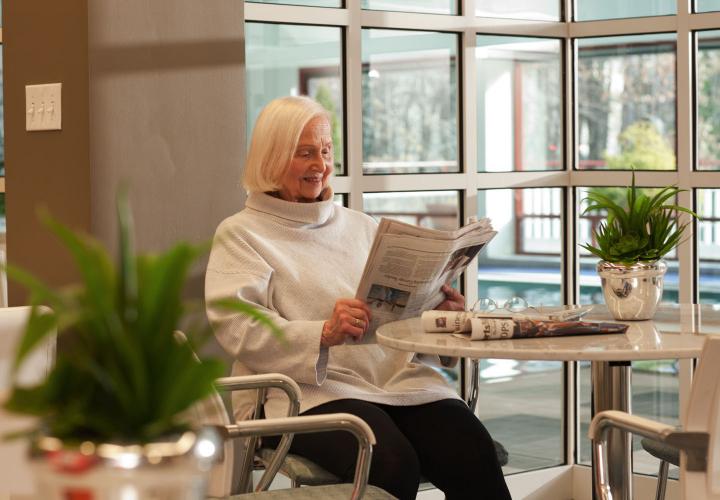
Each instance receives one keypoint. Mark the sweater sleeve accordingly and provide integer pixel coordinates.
(236, 271)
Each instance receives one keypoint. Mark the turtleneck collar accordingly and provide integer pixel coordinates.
(315, 213)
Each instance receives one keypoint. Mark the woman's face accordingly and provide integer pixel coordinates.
(311, 165)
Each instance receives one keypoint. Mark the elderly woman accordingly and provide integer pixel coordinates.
(296, 255)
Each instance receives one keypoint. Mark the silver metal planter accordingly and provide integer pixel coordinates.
(632, 292)
(159, 471)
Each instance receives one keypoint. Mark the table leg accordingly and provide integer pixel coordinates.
(472, 395)
(611, 391)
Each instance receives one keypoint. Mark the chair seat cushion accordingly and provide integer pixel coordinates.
(300, 469)
(661, 450)
(330, 491)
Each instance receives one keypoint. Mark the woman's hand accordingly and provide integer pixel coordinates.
(350, 318)
(454, 300)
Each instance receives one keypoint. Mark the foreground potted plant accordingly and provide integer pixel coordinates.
(111, 411)
(631, 243)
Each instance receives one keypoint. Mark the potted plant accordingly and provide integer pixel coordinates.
(631, 243)
(111, 411)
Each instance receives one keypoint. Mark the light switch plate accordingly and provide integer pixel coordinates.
(43, 107)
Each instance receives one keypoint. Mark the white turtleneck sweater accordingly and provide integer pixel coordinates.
(293, 261)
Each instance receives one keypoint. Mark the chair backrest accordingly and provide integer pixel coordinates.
(703, 415)
(15, 477)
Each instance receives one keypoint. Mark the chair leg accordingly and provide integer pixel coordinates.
(662, 480)
(294, 483)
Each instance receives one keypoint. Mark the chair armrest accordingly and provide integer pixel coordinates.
(316, 423)
(694, 444)
(262, 382)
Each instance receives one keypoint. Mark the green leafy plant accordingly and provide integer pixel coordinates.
(645, 229)
(122, 375)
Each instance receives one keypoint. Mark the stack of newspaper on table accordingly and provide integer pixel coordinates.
(555, 322)
(408, 265)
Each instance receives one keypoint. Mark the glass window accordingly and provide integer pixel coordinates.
(708, 245)
(708, 97)
(588, 10)
(524, 258)
(423, 6)
(433, 209)
(283, 59)
(519, 104)
(626, 102)
(590, 291)
(522, 401)
(706, 5)
(409, 102)
(541, 10)
(311, 3)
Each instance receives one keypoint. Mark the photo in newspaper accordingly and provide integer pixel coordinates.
(408, 265)
(478, 327)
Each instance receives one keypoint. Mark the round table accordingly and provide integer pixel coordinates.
(677, 331)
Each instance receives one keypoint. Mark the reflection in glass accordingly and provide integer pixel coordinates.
(708, 245)
(588, 10)
(626, 102)
(311, 3)
(524, 258)
(433, 209)
(539, 10)
(519, 104)
(590, 291)
(423, 6)
(409, 101)
(283, 59)
(522, 401)
(708, 97)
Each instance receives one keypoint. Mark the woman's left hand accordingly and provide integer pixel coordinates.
(454, 300)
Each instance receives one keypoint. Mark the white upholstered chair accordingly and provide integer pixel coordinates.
(698, 439)
(15, 477)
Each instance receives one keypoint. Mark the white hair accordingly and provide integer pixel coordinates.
(274, 140)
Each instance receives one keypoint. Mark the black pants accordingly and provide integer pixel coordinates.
(443, 441)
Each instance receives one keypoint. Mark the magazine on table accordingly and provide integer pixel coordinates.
(478, 326)
(407, 265)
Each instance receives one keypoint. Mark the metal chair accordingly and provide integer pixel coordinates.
(698, 442)
(224, 483)
(667, 455)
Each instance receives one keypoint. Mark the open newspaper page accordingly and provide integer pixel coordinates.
(408, 265)
(481, 327)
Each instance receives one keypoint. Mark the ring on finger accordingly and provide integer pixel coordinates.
(358, 322)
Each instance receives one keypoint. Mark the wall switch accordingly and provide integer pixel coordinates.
(43, 109)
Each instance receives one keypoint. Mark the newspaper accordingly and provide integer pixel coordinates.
(408, 265)
(482, 327)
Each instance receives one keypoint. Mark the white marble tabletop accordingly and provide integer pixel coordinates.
(677, 331)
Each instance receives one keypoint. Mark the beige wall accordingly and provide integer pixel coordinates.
(167, 115)
(161, 84)
(45, 41)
